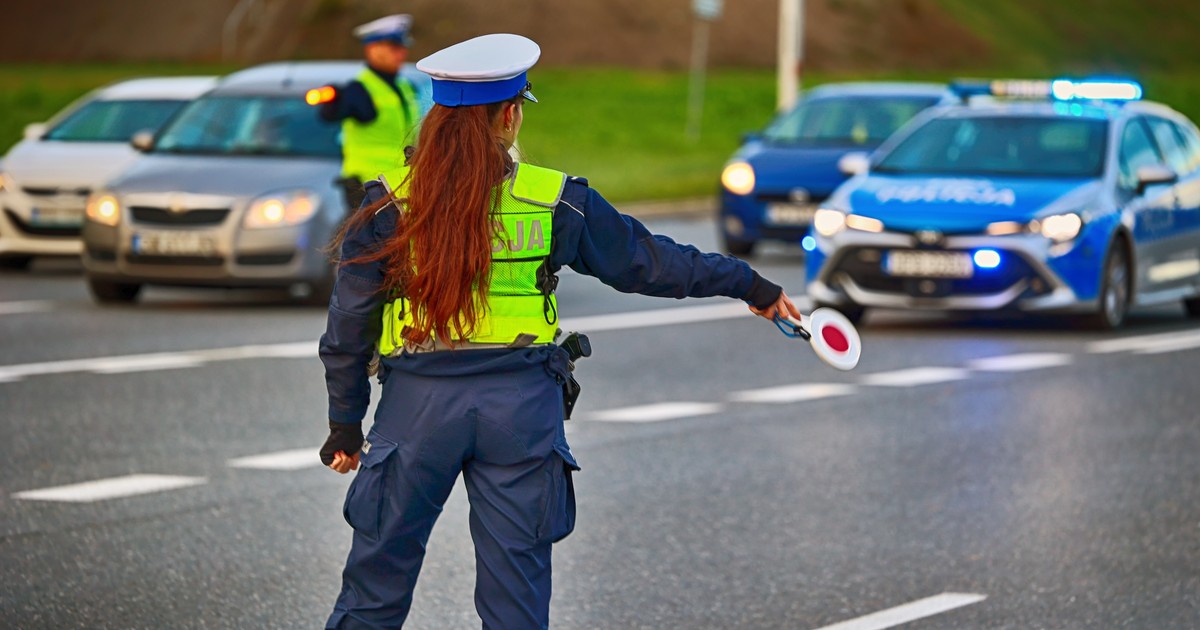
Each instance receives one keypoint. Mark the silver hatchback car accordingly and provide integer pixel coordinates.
(237, 191)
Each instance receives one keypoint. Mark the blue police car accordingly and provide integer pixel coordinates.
(771, 186)
(1032, 196)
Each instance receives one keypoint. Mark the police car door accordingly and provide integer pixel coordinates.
(1152, 206)
(1181, 266)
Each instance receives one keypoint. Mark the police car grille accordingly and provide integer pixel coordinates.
(163, 216)
(864, 265)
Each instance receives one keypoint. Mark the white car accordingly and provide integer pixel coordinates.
(45, 179)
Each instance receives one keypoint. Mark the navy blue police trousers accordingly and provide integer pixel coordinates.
(496, 417)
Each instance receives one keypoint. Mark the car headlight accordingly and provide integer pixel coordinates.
(738, 178)
(103, 209)
(1059, 228)
(281, 209)
(829, 222)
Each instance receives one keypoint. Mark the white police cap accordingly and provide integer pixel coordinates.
(390, 28)
(486, 69)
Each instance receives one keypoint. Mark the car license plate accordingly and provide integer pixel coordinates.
(173, 244)
(56, 217)
(790, 213)
(929, 264)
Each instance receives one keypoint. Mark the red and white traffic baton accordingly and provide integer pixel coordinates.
(831, 335)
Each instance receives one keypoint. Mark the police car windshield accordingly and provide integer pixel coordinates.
(113, 121)
(249, 125)
(1002, 145)
(845, 120)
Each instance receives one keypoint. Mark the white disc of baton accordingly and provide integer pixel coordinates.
(834, 338)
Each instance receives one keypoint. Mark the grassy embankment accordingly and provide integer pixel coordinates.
(625, 130)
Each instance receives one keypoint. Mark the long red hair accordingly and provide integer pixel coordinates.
(440, 256)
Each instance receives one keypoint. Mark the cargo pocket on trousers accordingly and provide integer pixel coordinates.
(363, 509)
(560, 508)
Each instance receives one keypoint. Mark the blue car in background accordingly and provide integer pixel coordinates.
(771, 186)
(1028, 196)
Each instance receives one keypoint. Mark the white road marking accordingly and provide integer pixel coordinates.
(916, 376)
(1173, 345)
(25, 306)
(1020, 362)
(1126, 344)
(792, 393)
(113, 488)
(158, 360)
(655, 413)
(911, 611)
(294, 459)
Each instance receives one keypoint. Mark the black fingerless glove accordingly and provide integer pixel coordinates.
(763, 293)
(345, 437)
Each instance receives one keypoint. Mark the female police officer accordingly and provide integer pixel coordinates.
(452, 280)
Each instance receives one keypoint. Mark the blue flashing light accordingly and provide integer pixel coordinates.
(987, 259)
(808, 243)
(1096, 90)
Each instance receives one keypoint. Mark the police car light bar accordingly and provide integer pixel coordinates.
(1059, 89)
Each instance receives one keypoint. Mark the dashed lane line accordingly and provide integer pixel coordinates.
(294, 459)
(116, 487)
(1161, 342)
(916, 376)
(792, 393)
(911, 611)
(25, 306)
(1020, 362)
(656, 412)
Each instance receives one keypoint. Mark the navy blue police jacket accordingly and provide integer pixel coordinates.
(589, 235)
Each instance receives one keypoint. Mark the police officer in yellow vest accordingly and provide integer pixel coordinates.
(379, 110)
(451, 278)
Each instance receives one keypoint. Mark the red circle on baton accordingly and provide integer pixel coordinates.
(835, 339)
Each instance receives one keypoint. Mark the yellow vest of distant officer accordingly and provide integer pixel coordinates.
(378, 146)
(516, 302)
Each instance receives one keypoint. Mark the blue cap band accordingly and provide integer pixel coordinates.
(399, 38)
(456, 93)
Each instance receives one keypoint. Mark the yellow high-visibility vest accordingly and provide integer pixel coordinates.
(369, 149)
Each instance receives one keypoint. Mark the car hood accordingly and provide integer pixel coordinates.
(963, 204)
(234, 176)
(52, 164)
(780, 168)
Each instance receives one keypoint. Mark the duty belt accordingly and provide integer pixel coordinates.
(435, 345)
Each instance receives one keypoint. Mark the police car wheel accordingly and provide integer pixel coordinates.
(738, 247)
(1115, 294)
(1192, 307)
(15, 263)
(106, 292)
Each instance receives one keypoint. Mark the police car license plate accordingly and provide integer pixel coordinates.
(929, 264)
(780, 213)
(173, 244)
(57, 217)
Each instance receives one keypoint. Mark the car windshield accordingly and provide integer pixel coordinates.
(113, 121)
(1026, 146)
(250, 125)
(845, 120)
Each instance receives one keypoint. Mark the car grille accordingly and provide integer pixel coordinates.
(40, 230)
(864, 265)
(48, 191)
(163, 216)
(281, 258)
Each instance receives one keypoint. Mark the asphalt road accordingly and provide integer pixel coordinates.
(1048, 476)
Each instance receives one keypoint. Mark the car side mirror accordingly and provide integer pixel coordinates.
(1154, 175)
(143, 140)
(854, 163)
(35, 131)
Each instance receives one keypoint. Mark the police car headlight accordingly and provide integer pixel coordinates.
(1059, 228)
(738, 178)
(103, 209)
(281, 209)
(829, 222)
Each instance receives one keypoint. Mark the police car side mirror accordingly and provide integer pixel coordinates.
(854, 163)
(1154, 175)
(143, 140)
(35, 131)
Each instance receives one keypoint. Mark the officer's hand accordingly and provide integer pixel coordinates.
(783, 306)
(343, 463)
(345, 440)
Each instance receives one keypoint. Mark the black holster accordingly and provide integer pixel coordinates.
(577, 346)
